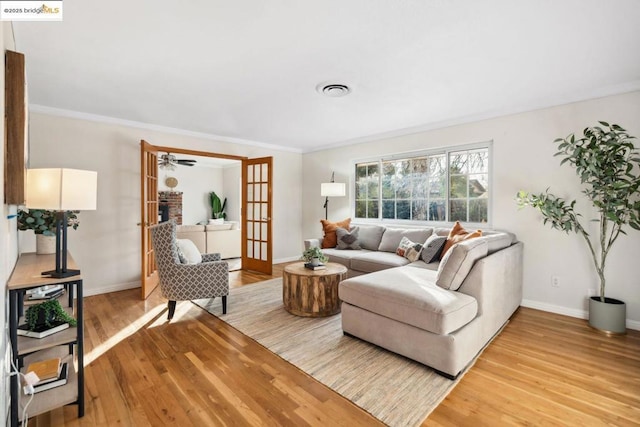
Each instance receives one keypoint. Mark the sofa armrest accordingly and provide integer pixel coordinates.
(495, 282)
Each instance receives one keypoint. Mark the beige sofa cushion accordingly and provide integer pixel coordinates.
(343, 257)
(392, 237)
(195, 233)
(371, 261)
(457, 262)
(369, 236)
(217, 227)
(410, 295)
(497, 240)
(227, 243)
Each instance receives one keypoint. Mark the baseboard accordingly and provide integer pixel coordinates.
(571, 312)
(111, 288)
(281, 260)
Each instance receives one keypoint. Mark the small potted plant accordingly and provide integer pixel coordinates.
(43, 224)
(47, 313)
(314, 256)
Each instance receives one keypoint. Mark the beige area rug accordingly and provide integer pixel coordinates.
(395, 390)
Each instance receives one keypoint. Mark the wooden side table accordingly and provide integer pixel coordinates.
(67, 344)
(312, 293)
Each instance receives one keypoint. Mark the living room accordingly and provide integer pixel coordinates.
(107, 243)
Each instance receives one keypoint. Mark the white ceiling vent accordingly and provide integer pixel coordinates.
(333, 90)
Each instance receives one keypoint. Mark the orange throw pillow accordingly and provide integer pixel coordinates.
(458, 234)
(330, 239)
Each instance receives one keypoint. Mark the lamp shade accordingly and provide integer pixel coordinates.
(62, 189)
(332, 189)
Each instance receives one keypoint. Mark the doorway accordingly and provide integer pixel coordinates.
(256, 248)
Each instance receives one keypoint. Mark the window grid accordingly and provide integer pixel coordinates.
(441, 186)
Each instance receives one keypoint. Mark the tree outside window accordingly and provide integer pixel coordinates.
(449, 186)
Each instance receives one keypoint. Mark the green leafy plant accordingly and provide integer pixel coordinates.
(314, 252)
(217, 206)
(42, 221)
(608, 166)
(51, 311)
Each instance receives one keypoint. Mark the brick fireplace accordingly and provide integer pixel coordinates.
(172, 201)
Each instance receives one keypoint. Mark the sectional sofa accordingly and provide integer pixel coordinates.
(440, 313)
(223, 239)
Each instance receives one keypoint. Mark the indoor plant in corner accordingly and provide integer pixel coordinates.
(217, 208)
(608, 165)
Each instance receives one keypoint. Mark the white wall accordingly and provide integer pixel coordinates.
(107, 243)
(522, 159)
(232, 190)
(195, 182)
(8, 238)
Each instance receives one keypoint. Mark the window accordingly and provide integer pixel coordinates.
(447, 185)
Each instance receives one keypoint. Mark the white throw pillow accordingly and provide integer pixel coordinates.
(188, 252)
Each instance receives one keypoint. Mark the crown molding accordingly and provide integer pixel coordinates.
(59, 112)
(533, 106)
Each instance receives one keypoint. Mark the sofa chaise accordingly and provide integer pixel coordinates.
(440, 313)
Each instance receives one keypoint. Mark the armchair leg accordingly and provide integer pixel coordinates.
(172, 309)
(224, 304)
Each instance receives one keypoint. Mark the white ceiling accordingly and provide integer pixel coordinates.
(247, 70)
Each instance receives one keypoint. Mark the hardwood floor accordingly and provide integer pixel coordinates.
(543, 369)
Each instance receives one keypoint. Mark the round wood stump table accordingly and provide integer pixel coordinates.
(312, 293)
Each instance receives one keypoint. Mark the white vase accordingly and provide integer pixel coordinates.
(45, 244)
(315, 261)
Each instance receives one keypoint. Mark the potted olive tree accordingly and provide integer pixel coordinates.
(608, 165)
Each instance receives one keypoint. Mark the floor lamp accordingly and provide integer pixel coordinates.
(331, 189)
(61, 190)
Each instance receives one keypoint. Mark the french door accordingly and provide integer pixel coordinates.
(257, 177)
(256, 213)
(148, 214)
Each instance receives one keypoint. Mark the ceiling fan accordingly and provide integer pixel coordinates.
(169, 161)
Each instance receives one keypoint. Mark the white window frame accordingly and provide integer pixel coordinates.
(421, 153)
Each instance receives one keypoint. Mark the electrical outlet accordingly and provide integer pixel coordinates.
(555, 281)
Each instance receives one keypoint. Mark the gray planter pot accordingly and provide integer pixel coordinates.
(609, 316)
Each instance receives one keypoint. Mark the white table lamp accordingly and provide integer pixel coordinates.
(61, 190)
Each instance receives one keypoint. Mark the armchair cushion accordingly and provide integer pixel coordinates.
(188, 252)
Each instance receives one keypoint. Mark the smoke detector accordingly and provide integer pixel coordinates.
(333, 90)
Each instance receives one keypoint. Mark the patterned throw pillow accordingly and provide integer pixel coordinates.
(348, 239)
(433, 248)
(409, 249)
(330, 239)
